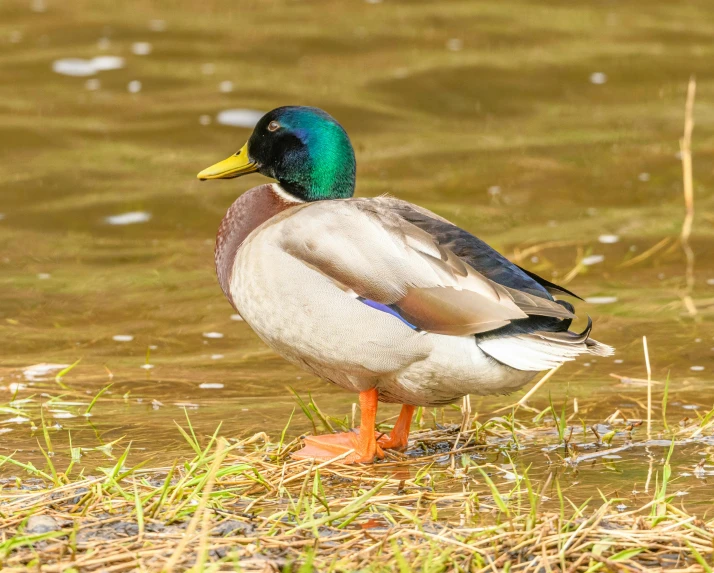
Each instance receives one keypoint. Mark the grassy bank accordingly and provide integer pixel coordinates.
(459, 499)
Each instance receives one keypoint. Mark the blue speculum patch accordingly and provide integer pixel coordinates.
(388, 309)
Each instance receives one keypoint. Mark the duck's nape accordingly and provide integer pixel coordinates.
(304, 148)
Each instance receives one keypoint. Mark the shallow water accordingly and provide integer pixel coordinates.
(548, 129)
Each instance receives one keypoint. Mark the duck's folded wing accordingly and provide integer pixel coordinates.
(376, 254)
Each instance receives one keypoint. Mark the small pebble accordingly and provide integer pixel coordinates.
(41, 524)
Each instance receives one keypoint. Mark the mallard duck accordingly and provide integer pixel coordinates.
(376, 295)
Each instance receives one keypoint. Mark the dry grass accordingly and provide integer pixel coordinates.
(243, 505)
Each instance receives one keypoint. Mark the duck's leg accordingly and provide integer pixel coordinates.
(399, 436)
(362, 441)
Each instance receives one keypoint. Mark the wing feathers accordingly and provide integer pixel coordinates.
(370, 249)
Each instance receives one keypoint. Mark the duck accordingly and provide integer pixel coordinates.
(376, 295)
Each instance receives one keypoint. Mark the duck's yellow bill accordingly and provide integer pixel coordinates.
(235, 166)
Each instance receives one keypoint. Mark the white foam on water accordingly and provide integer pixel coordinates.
(16, 420)
(123, 337)
(601, 299)
(696, 368)
(239, 117)
(40, 371)
(141, 48)
(134, 86)
(211, 386)
(216, 356)
(593, 260)
(213, 335)
(608, 239)
(644, 177)
(62, 414)
(205, 119)
(106, 63)
(130, 218)
(44, 276)
(92, 84)
(75, 67)
(146, 366)
(598, 78)
(225, 87)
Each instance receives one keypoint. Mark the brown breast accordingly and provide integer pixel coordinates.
(248, 212)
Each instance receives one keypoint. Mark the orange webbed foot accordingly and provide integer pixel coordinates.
(329, 446)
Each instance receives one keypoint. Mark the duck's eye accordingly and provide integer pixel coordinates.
(273, 126)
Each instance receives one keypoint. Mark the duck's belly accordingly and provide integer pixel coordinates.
(310, 321)
(456, 366)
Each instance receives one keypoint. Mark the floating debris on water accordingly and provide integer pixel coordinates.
(123, 337)
(129, 218)
(598, 78)
(608, 239)
(211, 386)
(141, 48)
(601, 299)
(213, 335)
(239, 117)
(593, 260)
(134, 86)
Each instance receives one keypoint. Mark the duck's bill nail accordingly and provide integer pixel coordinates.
(235, 166)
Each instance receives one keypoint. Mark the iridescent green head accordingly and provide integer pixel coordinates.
(304, 148)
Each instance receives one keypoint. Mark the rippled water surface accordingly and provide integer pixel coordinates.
(550, 129)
